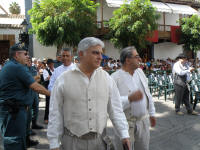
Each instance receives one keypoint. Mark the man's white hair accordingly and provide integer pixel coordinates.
(87, 42)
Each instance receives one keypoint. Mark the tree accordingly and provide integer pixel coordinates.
(190, 35)
(59, 22)
(131, 24)
(14, 8)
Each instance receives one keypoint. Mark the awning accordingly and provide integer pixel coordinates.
(182, 9)
(160, 7)
(116, 3)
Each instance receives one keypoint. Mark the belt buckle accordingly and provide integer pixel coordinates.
(27, 108)
(90, 135)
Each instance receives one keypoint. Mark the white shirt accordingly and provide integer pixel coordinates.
(57, 72)
(81, 105)
(46, 74)
(181, 70)
(127, 84)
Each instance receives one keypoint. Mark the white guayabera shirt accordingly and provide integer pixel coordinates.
(127, 84)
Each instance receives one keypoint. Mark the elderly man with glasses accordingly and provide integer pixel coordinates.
(131, 81)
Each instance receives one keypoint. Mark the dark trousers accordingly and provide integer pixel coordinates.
(13, 129)
(35, 108)
(29, 118)
(46, 115)
(182, 96)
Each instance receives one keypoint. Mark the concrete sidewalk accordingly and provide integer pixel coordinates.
(172, 132)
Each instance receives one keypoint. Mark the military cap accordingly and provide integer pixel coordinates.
(49, 61)
(18, 47)
(180, 56)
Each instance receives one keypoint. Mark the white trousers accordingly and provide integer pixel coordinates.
(74, 143)
(139, 135)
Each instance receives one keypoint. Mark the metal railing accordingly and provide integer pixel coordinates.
(164, 27)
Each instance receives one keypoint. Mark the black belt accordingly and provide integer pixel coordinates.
(14, 106)
(26, 107)
(87, 136)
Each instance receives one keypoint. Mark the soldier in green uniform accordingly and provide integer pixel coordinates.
(16, 83)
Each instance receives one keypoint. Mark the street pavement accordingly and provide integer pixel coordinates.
(172, 132)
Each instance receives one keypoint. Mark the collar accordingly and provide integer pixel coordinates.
(14, 60)
(76, 68)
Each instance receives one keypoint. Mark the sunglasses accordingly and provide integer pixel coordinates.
(25, 53)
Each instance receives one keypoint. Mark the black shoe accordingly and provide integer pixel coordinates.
(31, 143)
(35, 126)
(32, 133)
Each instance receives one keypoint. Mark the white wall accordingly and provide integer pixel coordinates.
(40, 51)
(167, 50)
(171, 19)
(161, 50)
(111, 51)
(11, 31)
(107, 11)
(198, 54)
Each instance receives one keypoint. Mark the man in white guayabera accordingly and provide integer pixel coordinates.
(140, 109)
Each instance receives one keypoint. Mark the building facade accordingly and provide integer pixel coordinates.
(170, 11)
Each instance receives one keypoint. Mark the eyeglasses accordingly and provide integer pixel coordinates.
(65, 55)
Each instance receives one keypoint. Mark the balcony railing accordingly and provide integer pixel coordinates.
(103, 24)
(164, 31)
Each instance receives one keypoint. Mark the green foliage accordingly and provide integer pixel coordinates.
(58, 22)
(14, 8)
(131, 24)
(190, 33)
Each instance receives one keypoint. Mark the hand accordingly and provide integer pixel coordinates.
(192, 69)
(48, 78)
(55, 149)
(127, 142)
(37, 78)
(152, 121)
(135, 96)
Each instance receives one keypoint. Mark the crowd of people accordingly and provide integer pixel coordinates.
(80, 94)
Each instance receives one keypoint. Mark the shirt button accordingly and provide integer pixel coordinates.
(90, 109)
(90, 118)
(89, 99)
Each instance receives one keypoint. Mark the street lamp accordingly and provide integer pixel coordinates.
(23, 36)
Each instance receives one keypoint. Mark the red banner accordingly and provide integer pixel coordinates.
(153, 37)
(175, 34)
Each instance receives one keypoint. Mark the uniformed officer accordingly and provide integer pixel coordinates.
(16, 83)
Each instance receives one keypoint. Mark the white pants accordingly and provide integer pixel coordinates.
(139, 135)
